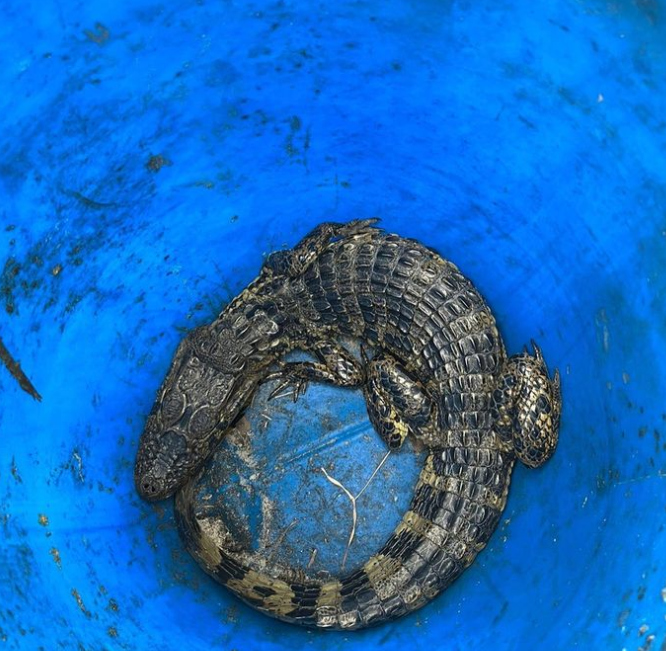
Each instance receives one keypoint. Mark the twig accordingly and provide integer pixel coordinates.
(17, 372)
(352, 499)
(372, 476)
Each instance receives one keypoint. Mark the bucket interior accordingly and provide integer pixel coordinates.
(153, 154)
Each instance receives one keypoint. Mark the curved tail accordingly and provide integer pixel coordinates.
(456, 506)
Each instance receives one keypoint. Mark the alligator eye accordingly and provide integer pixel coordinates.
(202, 421)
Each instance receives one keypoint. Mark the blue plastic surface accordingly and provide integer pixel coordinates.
(152, 153)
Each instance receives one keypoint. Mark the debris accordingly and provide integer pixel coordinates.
(374, 472)
(156, 163)
(100, 35)
(15, 472)
(56, 557)
(352, 499)
(17, 373)
(79, 601)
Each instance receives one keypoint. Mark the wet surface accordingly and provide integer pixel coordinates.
(153, 154)
(283, 484)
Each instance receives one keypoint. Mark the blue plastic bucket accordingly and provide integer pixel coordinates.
(152, 154)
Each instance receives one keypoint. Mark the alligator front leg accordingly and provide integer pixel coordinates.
(293, 262)
(336, 366)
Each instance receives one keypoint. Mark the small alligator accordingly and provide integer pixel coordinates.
(438, 372)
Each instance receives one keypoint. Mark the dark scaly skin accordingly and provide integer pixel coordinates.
(438, 372)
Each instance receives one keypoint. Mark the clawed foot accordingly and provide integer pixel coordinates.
(528, 404)
(299, 387)
(288, 377)
(354, 227)
(337, 366)
(292, 262)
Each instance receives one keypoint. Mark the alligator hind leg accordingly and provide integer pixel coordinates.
(527, 405)
(336, 366)
(397, 405)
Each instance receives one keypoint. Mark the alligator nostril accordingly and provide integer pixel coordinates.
(149, 488)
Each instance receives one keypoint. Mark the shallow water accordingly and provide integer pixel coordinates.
(151, 155)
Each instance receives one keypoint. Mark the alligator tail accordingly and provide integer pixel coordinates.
(456, 506)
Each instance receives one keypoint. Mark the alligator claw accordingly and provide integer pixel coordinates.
(537, 351)
(354, 227)
(299, 386)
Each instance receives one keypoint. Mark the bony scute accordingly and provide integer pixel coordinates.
(434, 368)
